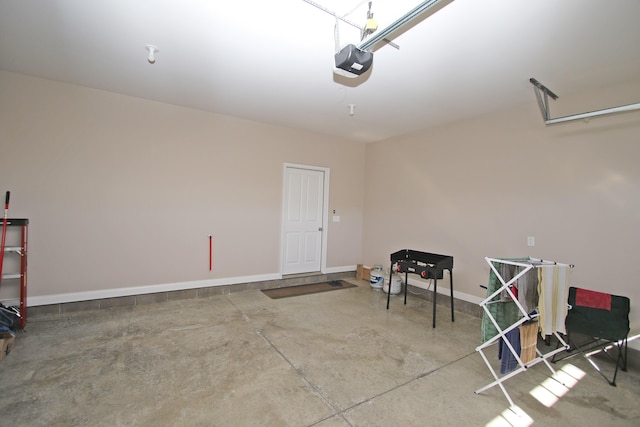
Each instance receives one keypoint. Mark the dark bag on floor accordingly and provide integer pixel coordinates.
(9, 318)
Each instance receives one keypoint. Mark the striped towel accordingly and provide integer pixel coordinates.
(553, 291)
(528, 342)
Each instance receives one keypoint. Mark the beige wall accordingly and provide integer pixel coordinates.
(123, 192)
(481, 187)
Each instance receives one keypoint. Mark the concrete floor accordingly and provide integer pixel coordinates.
(333, 359)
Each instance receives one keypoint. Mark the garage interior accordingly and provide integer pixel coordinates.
(159, 187)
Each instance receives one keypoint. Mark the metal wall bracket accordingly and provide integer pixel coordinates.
(543, 93)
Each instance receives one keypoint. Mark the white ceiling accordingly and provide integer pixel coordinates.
(272, 60)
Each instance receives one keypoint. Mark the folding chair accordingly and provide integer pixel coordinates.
(604, 320)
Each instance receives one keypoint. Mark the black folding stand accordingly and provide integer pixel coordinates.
(427, 266)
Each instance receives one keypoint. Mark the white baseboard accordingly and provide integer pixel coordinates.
(443, 288)
(142, 290)
(343, 269)
(163, 287)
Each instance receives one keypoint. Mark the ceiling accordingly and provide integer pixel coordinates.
(273, 61)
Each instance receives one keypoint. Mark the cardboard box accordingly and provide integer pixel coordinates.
(363, 272)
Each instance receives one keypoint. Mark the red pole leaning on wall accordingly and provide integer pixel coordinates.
(210, 252)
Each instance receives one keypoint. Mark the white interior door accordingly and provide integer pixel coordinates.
(303, 220)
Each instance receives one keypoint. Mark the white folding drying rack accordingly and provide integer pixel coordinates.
(527, 265)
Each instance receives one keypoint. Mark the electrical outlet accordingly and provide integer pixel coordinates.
(531, 241)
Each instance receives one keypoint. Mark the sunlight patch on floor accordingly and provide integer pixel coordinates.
(548, 393)
(513, 416)
(552, 389)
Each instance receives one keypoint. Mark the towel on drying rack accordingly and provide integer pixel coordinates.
(504, 313)
(553, 291)
(528, 341)
(508, 359)
(525, 289)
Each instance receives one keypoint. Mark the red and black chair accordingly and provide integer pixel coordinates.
(598, 324)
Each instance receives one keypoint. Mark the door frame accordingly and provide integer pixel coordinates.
(325, 212)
